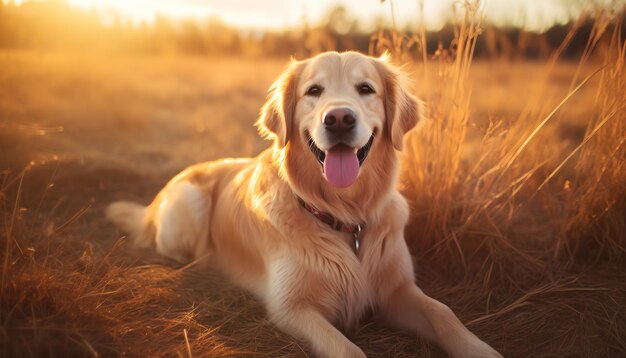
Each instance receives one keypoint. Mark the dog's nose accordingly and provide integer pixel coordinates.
(339, 120)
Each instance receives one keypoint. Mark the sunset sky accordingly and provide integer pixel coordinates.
(534, 15)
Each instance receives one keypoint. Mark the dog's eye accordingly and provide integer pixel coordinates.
(314, 90)
(364, 88)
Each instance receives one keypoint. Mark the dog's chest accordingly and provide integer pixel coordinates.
(343, 282)
(343, 291)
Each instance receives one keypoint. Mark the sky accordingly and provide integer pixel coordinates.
(533, 15)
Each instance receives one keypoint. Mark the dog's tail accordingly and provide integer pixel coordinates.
(131, 218)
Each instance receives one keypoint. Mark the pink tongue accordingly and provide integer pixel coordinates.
(341, 166)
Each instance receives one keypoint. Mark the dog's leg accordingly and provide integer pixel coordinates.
(409, 309)
(295, 316)
(181, 222)
(308, 324)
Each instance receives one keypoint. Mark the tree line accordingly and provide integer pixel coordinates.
(58, 26)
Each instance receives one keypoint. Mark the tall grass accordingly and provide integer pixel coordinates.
(519, 226)
(595, 204)
(519, 195)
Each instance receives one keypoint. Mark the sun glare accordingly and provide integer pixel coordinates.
(140, 10)
(533, 15)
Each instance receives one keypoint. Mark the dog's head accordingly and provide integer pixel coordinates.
(336, 111)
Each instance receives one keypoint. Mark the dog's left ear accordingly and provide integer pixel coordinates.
(276, 117)
(402, 109)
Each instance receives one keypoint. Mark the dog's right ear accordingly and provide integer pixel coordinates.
(276, 117)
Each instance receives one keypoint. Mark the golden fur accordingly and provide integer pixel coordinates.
(243, 216)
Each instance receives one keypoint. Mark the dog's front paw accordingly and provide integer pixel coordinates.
(475, 348)
(352, 351)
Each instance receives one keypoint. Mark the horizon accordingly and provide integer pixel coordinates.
(530, 15)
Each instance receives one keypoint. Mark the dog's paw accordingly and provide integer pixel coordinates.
(475, 348)
(352, 351)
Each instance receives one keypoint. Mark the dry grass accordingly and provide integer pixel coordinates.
(518, 212)
(534, 217)
(515, 185)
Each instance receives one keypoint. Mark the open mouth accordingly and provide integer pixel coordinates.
(341, 163)
(361, 154)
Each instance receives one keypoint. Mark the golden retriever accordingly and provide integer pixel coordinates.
(314, 225)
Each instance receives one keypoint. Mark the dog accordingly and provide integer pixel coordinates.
(314, 225)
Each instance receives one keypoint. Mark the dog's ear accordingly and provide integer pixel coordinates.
(276, 117)
(402, 109)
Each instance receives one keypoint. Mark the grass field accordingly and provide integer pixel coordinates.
(528, 253)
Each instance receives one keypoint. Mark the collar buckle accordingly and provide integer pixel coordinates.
(356, 243)
(335, 224)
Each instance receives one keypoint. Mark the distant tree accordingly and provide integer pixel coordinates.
(190, 39)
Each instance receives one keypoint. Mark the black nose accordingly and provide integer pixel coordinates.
(339, 120)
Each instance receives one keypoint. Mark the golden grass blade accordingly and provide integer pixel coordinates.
(9, 236)
(552, 287)
(573, 152)
(77, 215)
(187, 342)
(544, 121)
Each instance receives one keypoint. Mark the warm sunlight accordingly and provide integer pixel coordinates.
(291, 178)
(534, 15)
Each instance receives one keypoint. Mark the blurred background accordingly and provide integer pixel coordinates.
(280, 28)
(82, 79)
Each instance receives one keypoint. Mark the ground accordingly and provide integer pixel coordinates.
(78, 131)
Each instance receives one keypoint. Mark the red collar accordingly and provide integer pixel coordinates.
(334, 223)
